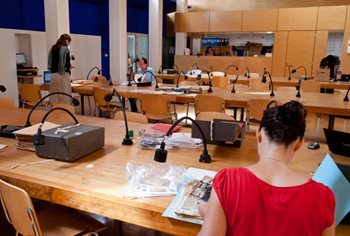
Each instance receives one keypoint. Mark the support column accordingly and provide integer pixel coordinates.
(118, 54)
(56, 20)
(155, 33)
(181, 38)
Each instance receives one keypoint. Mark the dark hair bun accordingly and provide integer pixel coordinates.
(292, 113)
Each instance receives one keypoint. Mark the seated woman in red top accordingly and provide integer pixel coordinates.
(269, 198)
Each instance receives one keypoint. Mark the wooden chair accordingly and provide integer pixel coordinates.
(220, 81)
(310, 86)
(31, 94)
(211, 115)
(65, 106)
(255, 83)
(7, 102)
(156, 107)
(132, 117)
(101, 104)
(254, 75)
(209, 103)
(217, 73)
(51, 220)
(256, 108)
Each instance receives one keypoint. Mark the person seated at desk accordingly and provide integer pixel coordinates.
(143, 68)
(209, 51)
(330, 62)
(269, 198)
(232, 52)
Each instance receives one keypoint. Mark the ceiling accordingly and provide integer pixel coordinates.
(168, 5)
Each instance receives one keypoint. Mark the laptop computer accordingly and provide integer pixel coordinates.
(322, 75)
(338, 142)
(345, 78)
(47, 78)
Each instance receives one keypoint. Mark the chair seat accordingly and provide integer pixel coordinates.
(58, 220)
(111, 107)
(158, 116)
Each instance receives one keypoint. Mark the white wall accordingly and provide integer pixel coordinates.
(86, 49)
(87, 52)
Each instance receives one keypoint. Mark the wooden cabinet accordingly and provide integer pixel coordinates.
(331, 18)
(223, 21)
(320, 48)
(260, 20)
(192, 22)
(279, 53)
(302, 18)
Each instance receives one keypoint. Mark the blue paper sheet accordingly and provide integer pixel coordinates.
(329, 174)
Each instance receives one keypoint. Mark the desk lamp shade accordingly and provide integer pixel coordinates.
(74, 101)
(2, 88)
(161, 154)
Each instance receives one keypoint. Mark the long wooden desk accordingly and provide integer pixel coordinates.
(330, 104)
(91, 183)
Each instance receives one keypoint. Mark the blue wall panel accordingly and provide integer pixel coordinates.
(83, 18)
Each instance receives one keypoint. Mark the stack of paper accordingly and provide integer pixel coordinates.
(25, 136)
(82, 81)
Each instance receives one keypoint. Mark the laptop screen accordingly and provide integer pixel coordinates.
(47, 76)
(338, 142)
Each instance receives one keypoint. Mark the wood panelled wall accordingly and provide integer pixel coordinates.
(300, 33)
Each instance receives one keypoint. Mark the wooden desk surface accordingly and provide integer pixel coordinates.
(91, 183)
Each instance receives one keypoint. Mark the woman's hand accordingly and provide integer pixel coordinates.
(202, 208)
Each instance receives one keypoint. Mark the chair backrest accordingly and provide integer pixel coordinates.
(255, 83)
(288, 89)
(132, 117)
(220, 81)
(7, 102)
(155, 103)
(310, 86)
(16, 203)
(256, 108)
(30, 92)
(99, 94)
(65, 106)
(211, 115)
(100, 78)
(217, 73)
(209, 103)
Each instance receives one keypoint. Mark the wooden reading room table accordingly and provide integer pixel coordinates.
(91, 183)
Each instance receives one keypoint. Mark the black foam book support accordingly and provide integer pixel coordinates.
(7, 130)
(221, 132)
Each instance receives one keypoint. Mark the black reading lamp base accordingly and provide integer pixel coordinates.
(346, 99)
(298, 95)
(127, 141)
(272, 94)
(205, 157)
(210, 90)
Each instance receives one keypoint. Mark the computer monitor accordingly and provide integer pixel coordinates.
(20, 59)
(266, 49)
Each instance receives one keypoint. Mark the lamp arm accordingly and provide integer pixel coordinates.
(110, 77)
(153, 76)
(229, 67)
(272, 94)
(161, 66)
(178, 78)
(120, 100)
(194, 122)
(346, 99)
(87, 77)
(31, 111)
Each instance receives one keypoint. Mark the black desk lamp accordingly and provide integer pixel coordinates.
(233, 86)
(264, 81)
(192, 67)
(298, 88)
(2, 88)
(74, 101)
(200, 76)
(39, 139)
(139, 79)
(294, 70)
(159, 71)
(108, 97)
(346, 99)
(264, 73)
(247, 74)
(161, 153)
(99, 73)
(87, 77)
(289, 78)
(229, 67)
(178, 78)
(211, 74)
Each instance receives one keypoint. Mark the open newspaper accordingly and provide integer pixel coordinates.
(193, 192)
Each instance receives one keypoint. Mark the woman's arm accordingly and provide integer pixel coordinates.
(330, 231)
(214, 217)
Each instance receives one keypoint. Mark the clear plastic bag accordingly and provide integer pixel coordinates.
(149, 180)
(151, 139)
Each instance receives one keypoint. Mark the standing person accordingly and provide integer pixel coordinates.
(331, 62)
(59, 65)
(232, 51)
(143, 68)
(269, 198)
(209, 51)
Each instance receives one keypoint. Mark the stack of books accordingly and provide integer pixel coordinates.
(25, 136)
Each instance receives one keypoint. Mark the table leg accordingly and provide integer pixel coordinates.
(82, 104)
(331, 122)
(118, 228)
